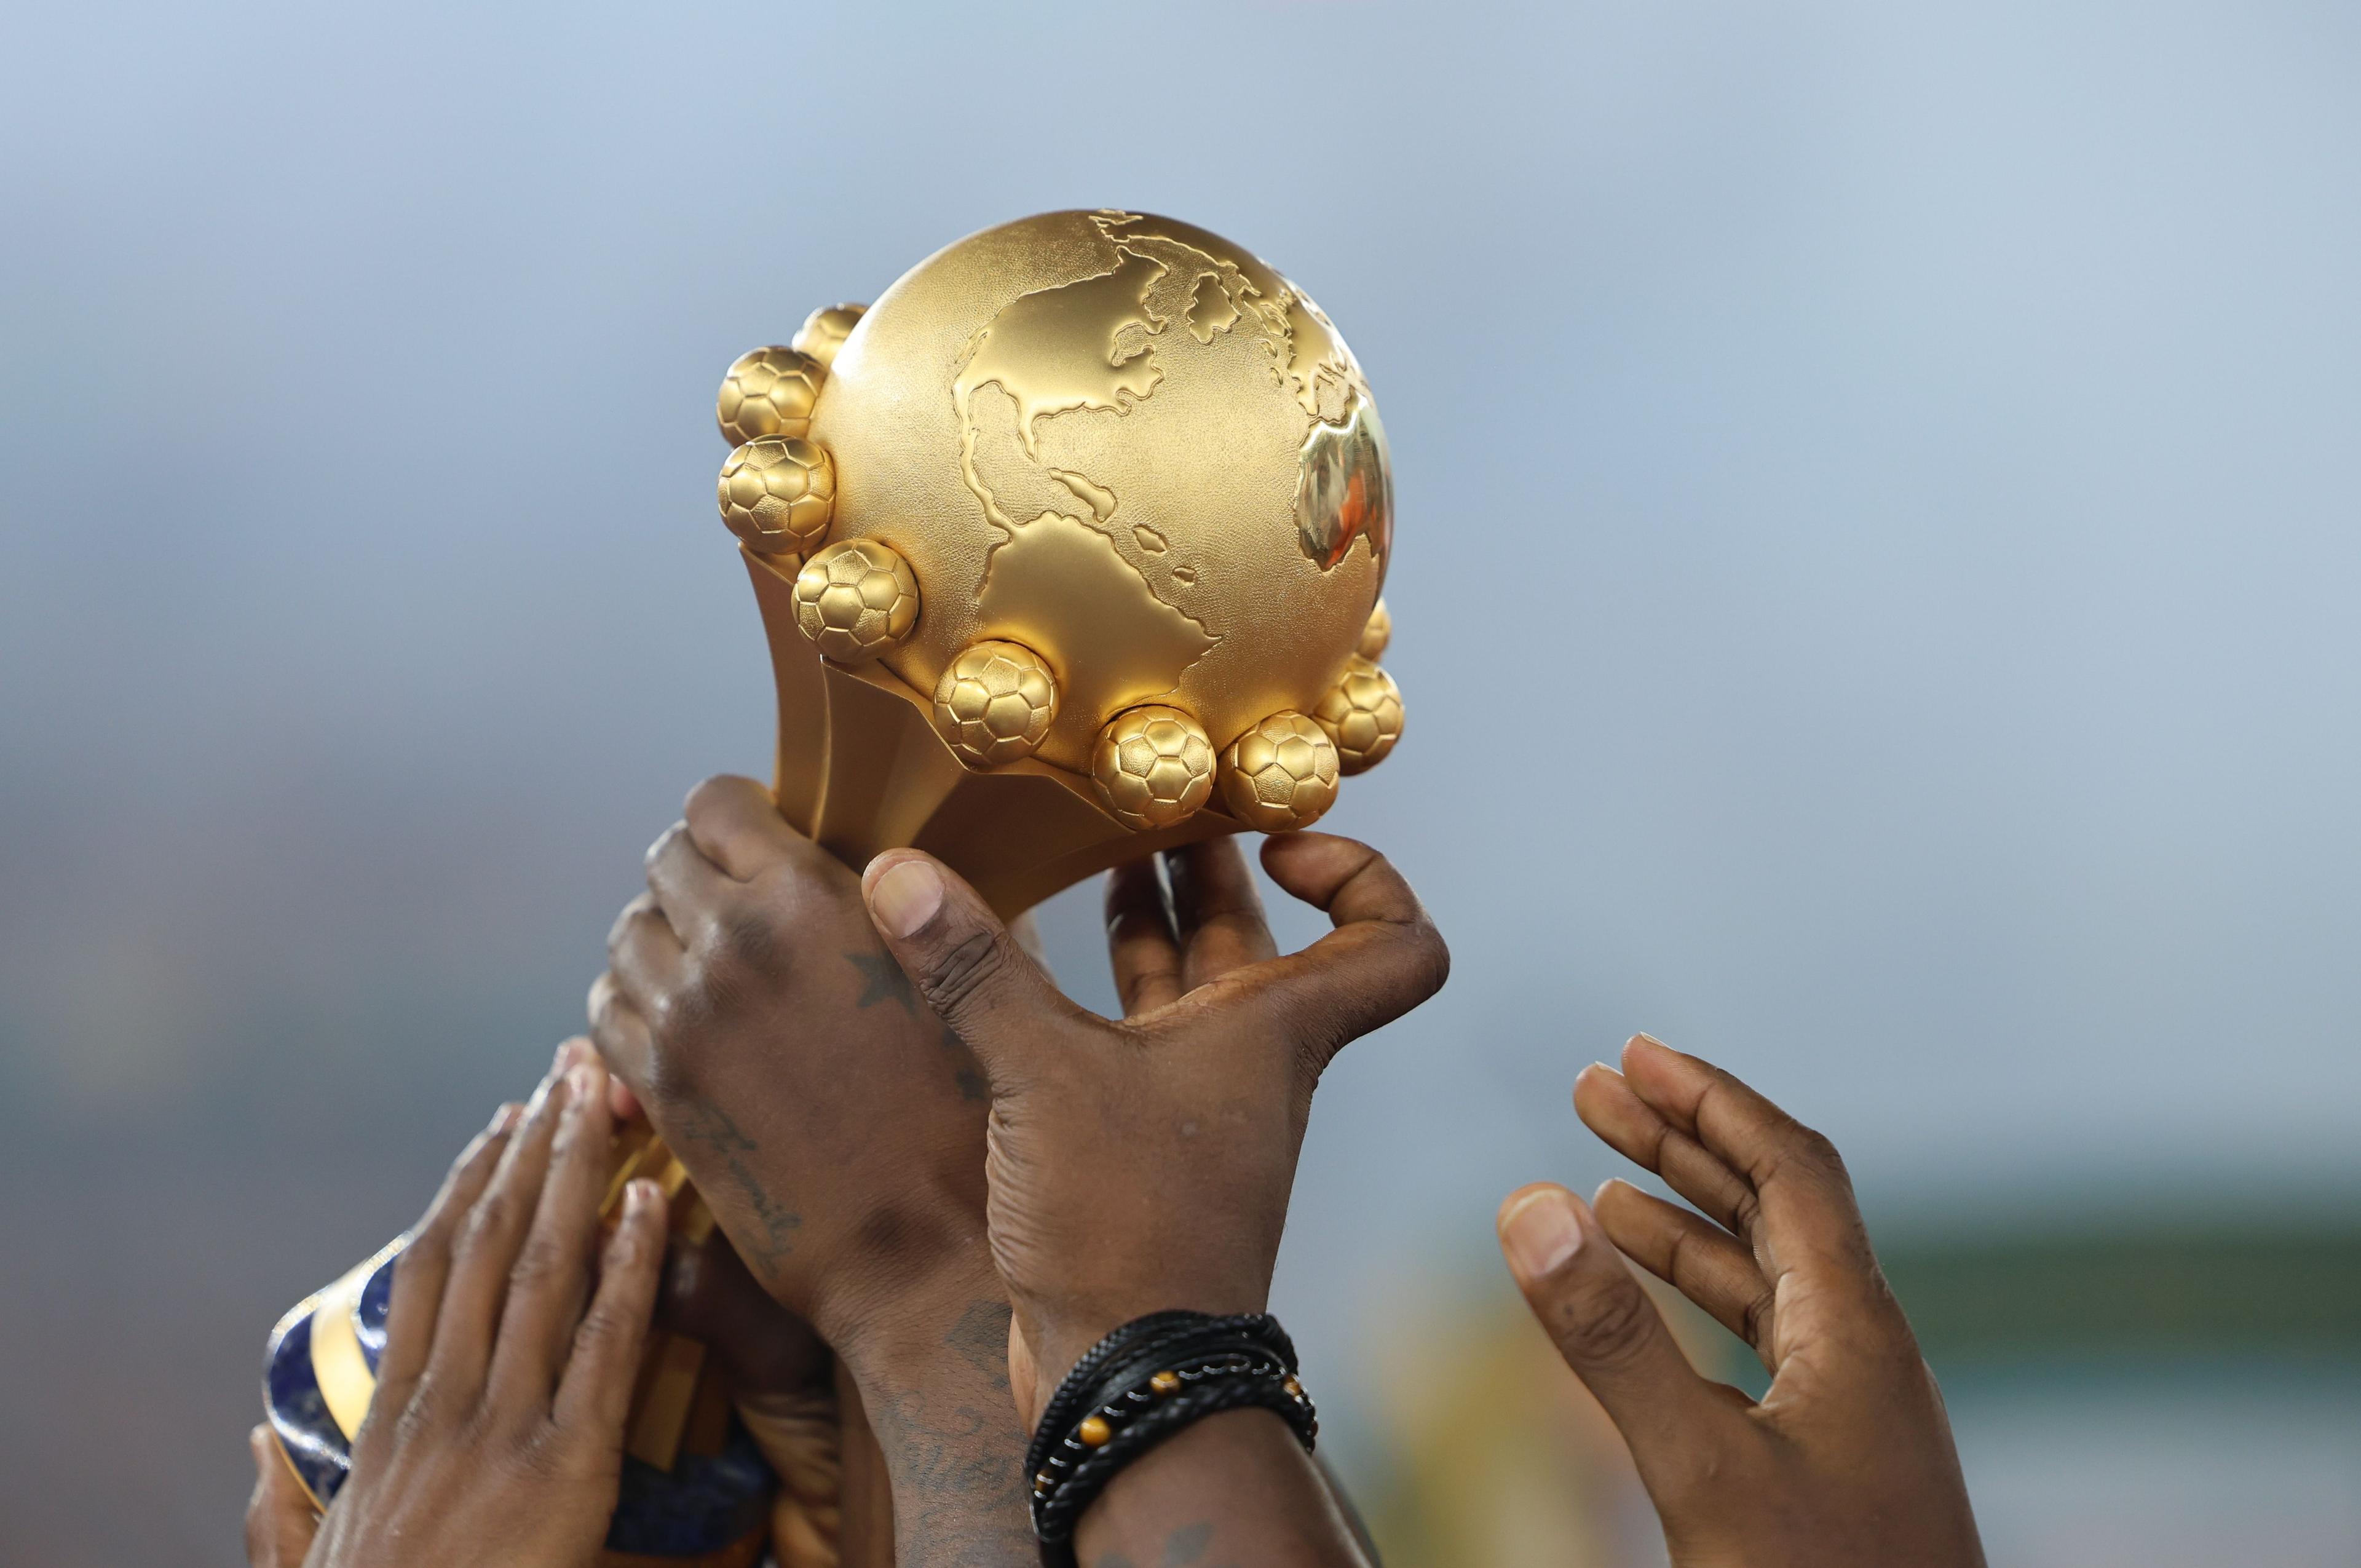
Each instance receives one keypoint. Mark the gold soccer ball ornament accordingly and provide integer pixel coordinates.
(769, 391)
(1362, 713)
(1105, 497)
(855, 599)
(1153, 766)
(775, 495)
(994, 703)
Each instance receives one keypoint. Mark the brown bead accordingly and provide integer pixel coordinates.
(1094, 1431)
(1294, 1388)
(1165, 1382)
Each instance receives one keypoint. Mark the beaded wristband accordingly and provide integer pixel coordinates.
(1147, 1380)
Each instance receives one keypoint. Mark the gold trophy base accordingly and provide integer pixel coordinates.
(861, 770)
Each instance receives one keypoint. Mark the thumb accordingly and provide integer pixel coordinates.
(1612, 1336)
(1383, 958)
(280, 1523)
(961, 958)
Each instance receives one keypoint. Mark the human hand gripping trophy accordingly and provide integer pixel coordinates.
(1069, 550)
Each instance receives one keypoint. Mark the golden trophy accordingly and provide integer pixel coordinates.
(1069, 550)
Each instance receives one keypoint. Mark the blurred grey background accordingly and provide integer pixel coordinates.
(1876, 600)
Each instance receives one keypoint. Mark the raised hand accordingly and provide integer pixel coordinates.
(496, 1431)
(1847, 1460)
(836, 1128)
(1147, 1163)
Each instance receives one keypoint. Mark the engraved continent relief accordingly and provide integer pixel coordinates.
(1139, 561)
(1099, 347)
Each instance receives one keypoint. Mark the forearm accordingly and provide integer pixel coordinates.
(933, 1381)
(1233, 1488)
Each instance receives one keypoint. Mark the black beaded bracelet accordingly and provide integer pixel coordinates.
(1152, 1377)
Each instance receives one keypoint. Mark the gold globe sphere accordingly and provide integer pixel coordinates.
(1363, 714)
(1126, 445)
(994, 703)
(1377, 634)
(777, 495)
(1280, 775)
(768, 393)
(1153, 766)
(825, 330)
(856, 598)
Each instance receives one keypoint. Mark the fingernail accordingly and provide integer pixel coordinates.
(578, 1086)
(565, 1054)
(1645, 1039)
(641, 1196)
(906, 897)
(1543, 1232)
(506, 1117)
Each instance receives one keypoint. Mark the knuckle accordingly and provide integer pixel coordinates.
(1607, 1324)
(1812, 1148)
(960, 975)
(664, 841)
(1798, 1153)
(1755, 1318)
(420, 1420)
(1429, 958)
(620, 931)
(707, 794)
(487, 1221)
(660, 1012)
(600, 1324)
(744, 936)
(541, 1262)
(427, 1251)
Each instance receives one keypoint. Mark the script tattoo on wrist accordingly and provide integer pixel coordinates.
(709, 1126)
(958, 1490)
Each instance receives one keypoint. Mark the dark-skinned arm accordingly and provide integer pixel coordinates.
(1146, 1164)
(836, 1128)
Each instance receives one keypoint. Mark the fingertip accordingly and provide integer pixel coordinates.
(1592, 1078)
(642, 1200)
(904, 891)
(1540, 1228)
(1644, 1046)
(1611, 1192)
(1292, 858)
(505, 1119)
(621, 1104)
(258, 1443)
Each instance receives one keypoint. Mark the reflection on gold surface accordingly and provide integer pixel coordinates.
(1348, 490)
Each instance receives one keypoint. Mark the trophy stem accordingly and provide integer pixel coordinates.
(861, 771)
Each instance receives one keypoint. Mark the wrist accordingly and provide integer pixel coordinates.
(1060, 1334)
(928, 1364)
(948, 1318)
